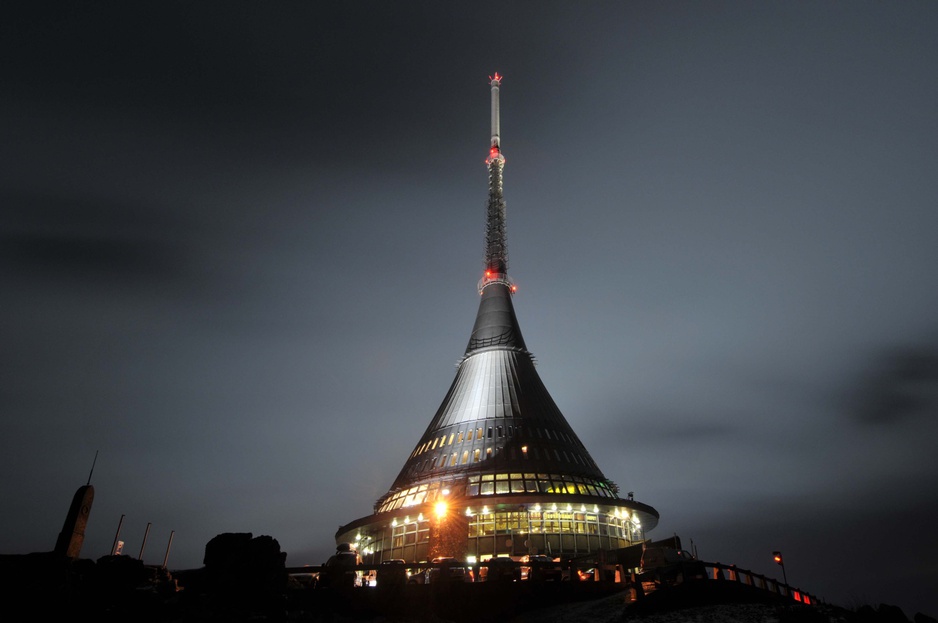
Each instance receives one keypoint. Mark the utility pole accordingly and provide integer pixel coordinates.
(117, 537)
(144, 544)
(168, 545)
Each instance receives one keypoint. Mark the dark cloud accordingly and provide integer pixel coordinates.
(850, 550)
(93, 241)
(901, 385)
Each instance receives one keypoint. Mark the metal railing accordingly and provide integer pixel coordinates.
(608, 573)
(731, 573)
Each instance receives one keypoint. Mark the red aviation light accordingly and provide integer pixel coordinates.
(514, 288)
(497, 77)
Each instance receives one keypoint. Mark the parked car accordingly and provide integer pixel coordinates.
(342, 569)
(669, 566)
(500, 569)
(541, 568)
(391, 573)
(445, 568)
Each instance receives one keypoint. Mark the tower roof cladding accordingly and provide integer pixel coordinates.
(498, 440)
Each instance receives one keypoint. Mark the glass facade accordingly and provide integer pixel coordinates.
(557, 531)
(481, 485)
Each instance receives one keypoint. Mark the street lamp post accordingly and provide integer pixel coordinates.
(777, 557)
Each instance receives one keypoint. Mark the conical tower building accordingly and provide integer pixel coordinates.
(499, 471)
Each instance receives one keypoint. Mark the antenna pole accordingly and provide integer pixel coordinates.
(144, 544)
(117, 536)
(92, 466)
(496, 81)
(168, 545)
(496, 248)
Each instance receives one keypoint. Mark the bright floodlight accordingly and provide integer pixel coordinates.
(440, 509)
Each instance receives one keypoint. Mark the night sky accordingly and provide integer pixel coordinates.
(239, 245)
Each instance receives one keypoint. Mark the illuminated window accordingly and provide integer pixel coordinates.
(488, 452)
(434, 445)
(442, 460)
(476, 454)
(469, 435)
(453, 460)
(459, 440)
(465, 457)
(451, 435)
(479, 433)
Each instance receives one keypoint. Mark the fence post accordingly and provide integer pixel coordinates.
(635, 588)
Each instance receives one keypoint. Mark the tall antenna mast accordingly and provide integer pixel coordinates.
(496, 248)
(495, 81)
(92, 466)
